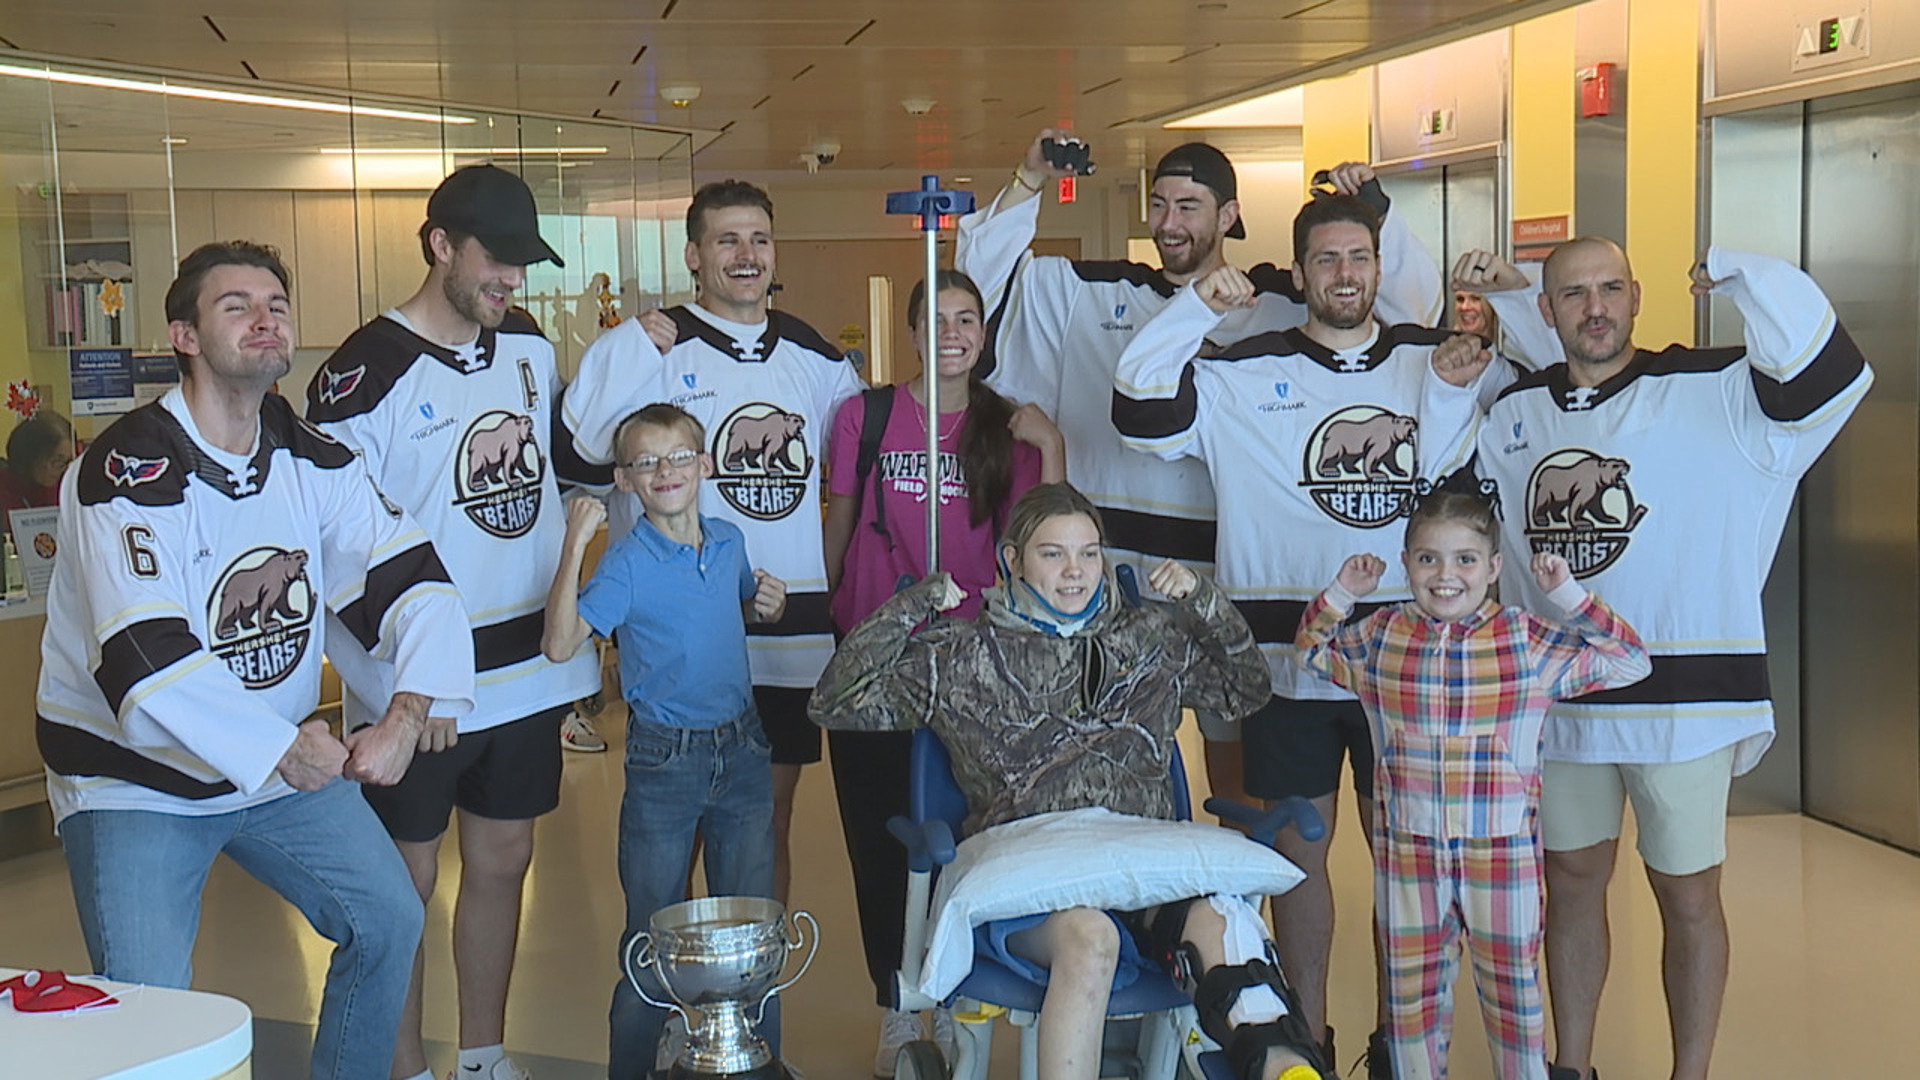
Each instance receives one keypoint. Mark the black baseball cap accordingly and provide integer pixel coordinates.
(494, 206)
(1204, 165)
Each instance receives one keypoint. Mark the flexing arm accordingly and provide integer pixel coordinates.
(881, 678)
(1596, 649)
(1156, 402)
(565, 630)
(1227, 676)
(1327, 647)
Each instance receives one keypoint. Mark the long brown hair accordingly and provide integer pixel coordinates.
(986, 442)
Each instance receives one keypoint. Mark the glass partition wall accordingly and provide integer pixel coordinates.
(113, 174)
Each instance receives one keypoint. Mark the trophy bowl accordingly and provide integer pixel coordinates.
(719, 957)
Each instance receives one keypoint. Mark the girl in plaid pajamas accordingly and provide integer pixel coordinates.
(1457, 689)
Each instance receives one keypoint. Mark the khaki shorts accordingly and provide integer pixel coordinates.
(1679, 809)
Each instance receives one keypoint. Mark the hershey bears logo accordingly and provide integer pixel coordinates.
(497, 473)
(1580, 508)
(762, 458)
(261, 612)
(1360, 465)
(336, 387)
(128, 472)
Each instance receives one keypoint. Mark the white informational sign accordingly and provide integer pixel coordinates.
(33, 533)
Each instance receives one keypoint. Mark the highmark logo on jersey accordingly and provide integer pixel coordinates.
(1580, 508)
(1116, 323)
(1359, 466)
(261, 612)
(760, 451)
(497, 473)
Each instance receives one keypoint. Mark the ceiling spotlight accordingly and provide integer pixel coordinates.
(918, 106)
(681, 94)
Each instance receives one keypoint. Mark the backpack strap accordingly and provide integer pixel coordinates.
(878, 408)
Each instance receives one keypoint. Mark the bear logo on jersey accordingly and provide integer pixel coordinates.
(261, 612)
(761, 451)
(1580, 508)
(497, 473)
(1360, 464)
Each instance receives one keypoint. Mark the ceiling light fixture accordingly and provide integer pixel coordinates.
(466, 151)
(681, 95)
(232, 97)
(918, 106)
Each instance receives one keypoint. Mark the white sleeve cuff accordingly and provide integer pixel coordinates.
(1569, 595)
(1339, 599)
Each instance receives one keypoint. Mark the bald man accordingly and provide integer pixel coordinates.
(1629, 464)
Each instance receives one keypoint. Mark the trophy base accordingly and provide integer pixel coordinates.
(772, 1070)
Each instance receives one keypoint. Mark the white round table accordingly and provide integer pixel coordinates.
(153, 1034)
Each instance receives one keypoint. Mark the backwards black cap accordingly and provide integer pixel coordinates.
(1204, 165)
(494, 206)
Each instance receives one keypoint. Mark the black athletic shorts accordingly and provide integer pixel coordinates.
(1295, 747)
(783, 716)
(509, 773)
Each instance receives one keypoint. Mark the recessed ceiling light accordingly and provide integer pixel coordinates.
(1211, 7)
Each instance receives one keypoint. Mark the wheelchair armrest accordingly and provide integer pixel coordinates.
(1265, 825)
(928, 845)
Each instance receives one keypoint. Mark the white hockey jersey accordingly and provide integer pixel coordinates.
(460, 438)
(184, 622)
(1665, 488)
(1315, 455)
(766, 395)
(1056, 328)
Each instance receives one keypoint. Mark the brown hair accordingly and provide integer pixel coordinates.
(719, 195)
(1043, 502)
(1326, 210)
(986, 442)
(662, 415)
(183, 296)
(1458, 508)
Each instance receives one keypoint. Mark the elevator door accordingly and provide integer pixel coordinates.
(1452, 209)
(1860, 637)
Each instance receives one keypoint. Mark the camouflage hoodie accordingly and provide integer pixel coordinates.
(1035, 722)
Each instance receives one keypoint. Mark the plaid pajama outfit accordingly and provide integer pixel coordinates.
(1458, 710)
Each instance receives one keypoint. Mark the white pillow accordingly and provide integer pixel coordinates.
(1091, 857)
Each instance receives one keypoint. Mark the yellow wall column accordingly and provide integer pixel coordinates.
(1541, 106)
(1336, 124)
(1663, 109)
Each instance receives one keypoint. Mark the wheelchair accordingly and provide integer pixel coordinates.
(1153, 1030)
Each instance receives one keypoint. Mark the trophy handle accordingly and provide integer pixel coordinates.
(793, 943)
(643, 941)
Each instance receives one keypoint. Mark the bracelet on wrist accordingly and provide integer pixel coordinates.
(1022, 181)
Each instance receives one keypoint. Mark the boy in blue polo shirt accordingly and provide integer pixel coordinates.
(678, 588)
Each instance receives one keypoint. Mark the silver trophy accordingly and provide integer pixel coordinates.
(720, 958)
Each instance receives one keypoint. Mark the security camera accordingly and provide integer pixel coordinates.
(823, 159)
(823, 152)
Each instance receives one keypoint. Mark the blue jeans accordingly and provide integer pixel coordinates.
(717, 782)
(137, 878)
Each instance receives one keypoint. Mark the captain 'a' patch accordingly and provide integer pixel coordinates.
(261, 615)
(1580, 508)
(762, 461)
(1360, 465)
(498, 472)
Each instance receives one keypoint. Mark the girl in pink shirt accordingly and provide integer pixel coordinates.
(876, 532)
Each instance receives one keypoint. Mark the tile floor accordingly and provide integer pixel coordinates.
(1826, 971)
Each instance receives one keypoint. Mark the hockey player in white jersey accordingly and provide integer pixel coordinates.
(1630, 464)
(203, 538)
(1056, 328)
(451, 397)
(1317, 439)
(766, 386)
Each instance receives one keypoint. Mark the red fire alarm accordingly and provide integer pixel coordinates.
(1596, 90)
(1067, 191)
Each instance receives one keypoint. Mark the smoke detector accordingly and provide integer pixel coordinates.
(681, 95)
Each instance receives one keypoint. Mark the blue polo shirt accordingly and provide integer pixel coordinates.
(683, 639)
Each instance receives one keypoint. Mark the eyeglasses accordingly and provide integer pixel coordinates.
(647, 463)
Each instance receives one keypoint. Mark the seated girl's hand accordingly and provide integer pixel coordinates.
(1550, 571)
(1361, 574)
(1172, 580)
(946, 595)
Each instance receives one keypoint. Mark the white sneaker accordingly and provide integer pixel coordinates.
(944, 1033)
(576, 733)
(897, 1029)
(504, 1069)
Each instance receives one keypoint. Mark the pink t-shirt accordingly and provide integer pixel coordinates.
(875, 562)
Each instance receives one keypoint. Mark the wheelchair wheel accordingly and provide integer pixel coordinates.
(920, 1060)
